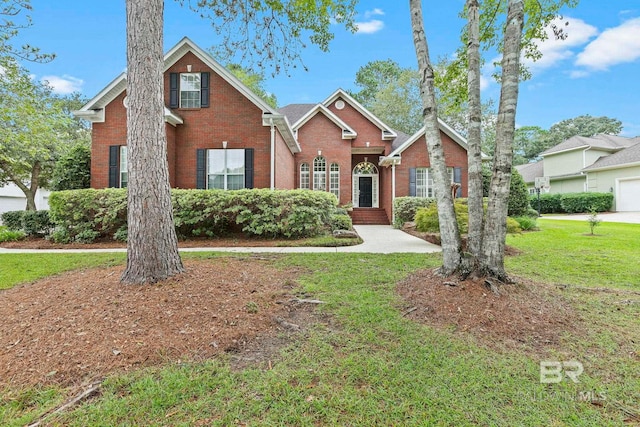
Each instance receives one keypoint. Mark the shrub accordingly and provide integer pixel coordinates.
(341, 222)
(518, 195)
(73, 170)
(549, 202)
(427, 218)
(586, 202)
(405, 208)
(527, 223)
(12, 220)
(83, 215)
(7, 235)
(513, 226)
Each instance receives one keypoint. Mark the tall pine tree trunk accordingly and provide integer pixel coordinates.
(495, 229)
(152, 248)
(474, 153)
(449, 233)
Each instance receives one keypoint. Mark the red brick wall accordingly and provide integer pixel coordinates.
(285, 165)
(231, 117)
(416, 157)
(367, 131)
(320, 133)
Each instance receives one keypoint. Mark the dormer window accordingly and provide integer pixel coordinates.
(188, 90)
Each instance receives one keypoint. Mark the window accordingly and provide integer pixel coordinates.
(124, 176)
(226, 169)
(334, 180)
(304, 175)
(424, 181)
(319, 174)
(190, 90)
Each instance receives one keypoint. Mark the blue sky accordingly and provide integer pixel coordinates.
(595, 71)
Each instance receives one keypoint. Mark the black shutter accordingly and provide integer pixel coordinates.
(412, 182)
(201, 169)
(204, 90)
(248, 168)
(114, 166)
(457, 177)
(174, 86)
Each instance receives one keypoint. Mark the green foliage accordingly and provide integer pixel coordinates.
(73, 170)
(513, 226)
(254, 81)
(518, 195)
(593, 221)
(7, 235)
(341, 222)
(585, 125)
(586, 202)
(31, 223)
(527, 223)
(405, 208)
(14, 17)
(427, 218)
(87, 215)
(549, 202)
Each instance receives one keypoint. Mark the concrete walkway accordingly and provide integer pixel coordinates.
(627, 217)
(381, 239)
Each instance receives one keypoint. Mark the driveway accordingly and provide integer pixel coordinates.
(628, 217)
(379, 239)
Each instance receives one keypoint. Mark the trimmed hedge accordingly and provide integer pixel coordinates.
(427, 218)
(573, 202)
(86, 215)
(31, 223)
(405, 208)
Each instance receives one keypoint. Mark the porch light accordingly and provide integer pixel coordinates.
(367, 144)
(224, 144)
(319, 152)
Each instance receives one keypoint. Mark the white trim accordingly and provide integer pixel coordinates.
(347, 131)
(566, 150)
(443, 127)
(387, 132)
(604, 168)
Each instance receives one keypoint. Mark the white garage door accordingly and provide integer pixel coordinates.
(628, 196)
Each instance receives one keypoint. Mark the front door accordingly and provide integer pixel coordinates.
(365, 199)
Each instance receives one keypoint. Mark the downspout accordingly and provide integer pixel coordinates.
(273, 155)
(393, 192)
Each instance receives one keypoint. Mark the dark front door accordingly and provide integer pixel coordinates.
(365, 200)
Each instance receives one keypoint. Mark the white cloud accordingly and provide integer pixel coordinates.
(369, 27)
(613, 46)
(556, 50)
(65, 84)
(375, 12)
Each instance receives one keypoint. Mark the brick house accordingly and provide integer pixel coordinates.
(221, 135)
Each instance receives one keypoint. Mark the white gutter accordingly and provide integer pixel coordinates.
(393, 192)
(273, 155)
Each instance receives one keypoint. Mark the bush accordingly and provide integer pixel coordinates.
(73, 170)
(518, 195)
(427, 218)
(549, 203)
(405, 208)
(7, 235)
(341, 222)
(86, 215)
(586, 202)
(31, 223)
(12, 220)
(513, 226)
(527, 223)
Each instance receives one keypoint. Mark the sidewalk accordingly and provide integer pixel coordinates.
(381, 239)
(626, 217)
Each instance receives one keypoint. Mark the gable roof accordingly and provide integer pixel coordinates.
(387, 132)
(600, 141)
(347, 131)
(94, 109)
(531, 171)
(629, 156)
(445, 128)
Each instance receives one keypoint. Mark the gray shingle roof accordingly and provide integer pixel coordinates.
(602, 141)
(622, 157)
(530, 171)
(295, 112)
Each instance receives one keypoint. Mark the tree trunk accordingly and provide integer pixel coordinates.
(495, 230)
(152, 248)
(449, 233)
(474, 153)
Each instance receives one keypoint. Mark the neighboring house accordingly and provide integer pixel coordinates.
(13, 199)
(601, 163)
(221, 135)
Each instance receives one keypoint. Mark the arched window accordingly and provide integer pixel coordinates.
(304, 175)
(365, 168)
(320, 174)
(334, 179)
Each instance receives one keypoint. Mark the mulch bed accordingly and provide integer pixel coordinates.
(77, 327)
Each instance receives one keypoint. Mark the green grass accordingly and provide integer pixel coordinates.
(563, 252)
(20, 268)
(375, 367)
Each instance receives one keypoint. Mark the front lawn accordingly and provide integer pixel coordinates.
(367, 363)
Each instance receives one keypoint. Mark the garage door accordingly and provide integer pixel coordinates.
(628, 196)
